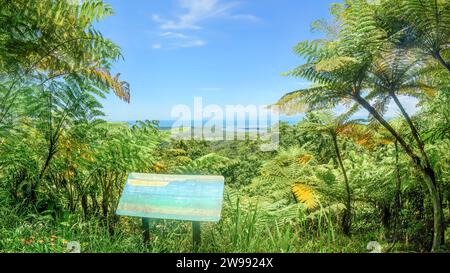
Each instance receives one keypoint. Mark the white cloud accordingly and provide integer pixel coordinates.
(172, 40)
(247, 17)
(197, 11)
(194, 13)
(173, 35)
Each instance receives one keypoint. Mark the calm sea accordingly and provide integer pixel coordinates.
(240, 125)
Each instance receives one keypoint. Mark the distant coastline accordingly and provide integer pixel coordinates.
(167, 124)
(241, 125)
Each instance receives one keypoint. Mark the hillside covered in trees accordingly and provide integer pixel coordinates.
(335, 184)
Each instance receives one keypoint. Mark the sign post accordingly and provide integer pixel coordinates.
(146, 230)
(195, 198)
(196, 237)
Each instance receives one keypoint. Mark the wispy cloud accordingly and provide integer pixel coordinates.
(194, 13)
(198, 11)
(171, 40)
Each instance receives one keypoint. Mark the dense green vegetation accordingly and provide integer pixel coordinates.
(335, 184)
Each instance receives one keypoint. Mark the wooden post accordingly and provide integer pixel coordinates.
(146, 230)
(196, 238)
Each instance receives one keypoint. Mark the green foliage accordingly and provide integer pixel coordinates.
(206, 165)
(377, 54)
(62, 167)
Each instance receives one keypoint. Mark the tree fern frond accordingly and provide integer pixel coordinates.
(120, 88)
(305, 195)
(334, 63)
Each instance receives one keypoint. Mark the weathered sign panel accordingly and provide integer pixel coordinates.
(178, 197)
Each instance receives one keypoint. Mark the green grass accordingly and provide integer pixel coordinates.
(239, 231)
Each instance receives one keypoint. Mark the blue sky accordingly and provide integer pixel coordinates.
(227, 52)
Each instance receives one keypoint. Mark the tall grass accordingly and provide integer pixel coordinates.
(246, 229)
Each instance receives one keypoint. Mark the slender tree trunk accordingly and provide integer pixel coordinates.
(347, 218)
(105, 210)
(34, 188)
(448, 202)
(85, 206)
(421, 147)
(441, 60)
(426, 173)
(386, 215)
(35, 184)
(50, 154)
(397, 201)
(95, 206)
(413, 128)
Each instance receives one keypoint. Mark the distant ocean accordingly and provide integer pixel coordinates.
(241, 125)
(247, 125)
